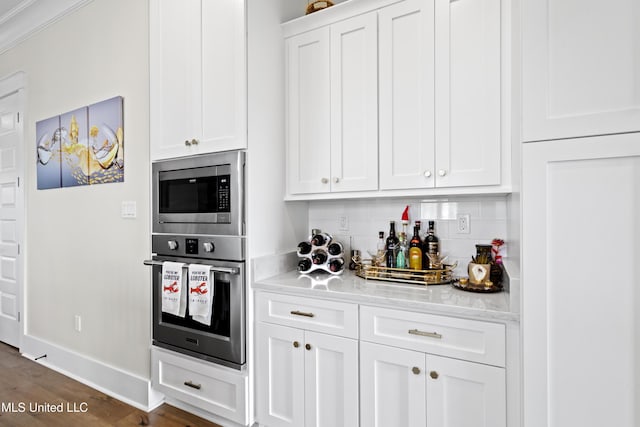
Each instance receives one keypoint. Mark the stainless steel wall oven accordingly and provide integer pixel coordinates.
(198, 218)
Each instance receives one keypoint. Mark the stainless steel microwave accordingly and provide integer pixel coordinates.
(201, 194)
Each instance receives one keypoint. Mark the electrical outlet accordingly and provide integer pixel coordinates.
(343, 223)
(78, 323)
(463, 224)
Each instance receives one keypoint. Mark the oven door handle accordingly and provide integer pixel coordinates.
(230, 270)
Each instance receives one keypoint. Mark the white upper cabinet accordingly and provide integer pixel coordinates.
(332, 116)
(197, 77)
(308, 105)
(406, 103)
(414, 97)
(581, 68)
(468, 93)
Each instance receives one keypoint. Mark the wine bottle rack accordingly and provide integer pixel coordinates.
(311, 251)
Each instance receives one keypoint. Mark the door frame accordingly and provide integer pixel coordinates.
(16, 83)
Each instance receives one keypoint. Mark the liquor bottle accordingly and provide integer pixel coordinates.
(401, 255)
(304, 248)
(319, 257)
(381, 249)
(432, 246)
(334, 248)
(392, 245)
(336, 265)
(415, 250)
(304, 265)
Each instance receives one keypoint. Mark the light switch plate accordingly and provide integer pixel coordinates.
(128, 210)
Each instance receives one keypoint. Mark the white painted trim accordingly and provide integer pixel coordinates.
(117, 383)
(32, 18)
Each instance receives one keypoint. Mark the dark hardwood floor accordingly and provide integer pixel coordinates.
(29, 394)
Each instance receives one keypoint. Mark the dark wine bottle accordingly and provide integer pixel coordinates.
(319, 239)
(334, 248)
(415, 250)
(304, 248)
(304, 265)
(319, 257)
(391, 245)
(432, 246)
(336, 265)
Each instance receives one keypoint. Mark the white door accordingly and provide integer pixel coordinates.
(11, 212)
(308, 112)
(406, 56)
(354, 102)
(280, 375)
(392, 386)
(580, 68)
(580, 294)
(465, 394)
(468, 134)
(331, 381)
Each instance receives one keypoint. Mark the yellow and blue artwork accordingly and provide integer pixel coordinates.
(81, 147)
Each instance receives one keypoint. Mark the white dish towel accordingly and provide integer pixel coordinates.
(174, 300)
(200, 293)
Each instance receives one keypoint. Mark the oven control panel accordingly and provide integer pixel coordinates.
(199, 246)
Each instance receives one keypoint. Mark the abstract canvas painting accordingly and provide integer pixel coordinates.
(81, 147)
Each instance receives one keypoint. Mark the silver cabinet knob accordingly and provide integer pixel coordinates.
(187, 143)
(427, 174)
(194, 142)
(336, 180)
(324, 181)
(416, 370)
(434, 375)
(442, 172)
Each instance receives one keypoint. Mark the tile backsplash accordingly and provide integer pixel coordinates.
(356, 223)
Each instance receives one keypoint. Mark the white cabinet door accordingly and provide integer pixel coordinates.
(354, 101)
(467, 90)
(581, 246)
(197, 77)
(581, 68)
(308, 112)
(331, 381)
(392, 386)
(280, 375)
(406, 100)
(465, 394)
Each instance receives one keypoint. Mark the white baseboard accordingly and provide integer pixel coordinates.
(117, 383)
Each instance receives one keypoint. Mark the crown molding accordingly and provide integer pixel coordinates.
(31, 16)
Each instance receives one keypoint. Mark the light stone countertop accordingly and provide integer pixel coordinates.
(436, 299)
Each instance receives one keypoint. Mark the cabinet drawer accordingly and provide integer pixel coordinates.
(331, 317)
(210, 387)
(472, 340)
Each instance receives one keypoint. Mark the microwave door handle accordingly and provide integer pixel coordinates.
(230, 270)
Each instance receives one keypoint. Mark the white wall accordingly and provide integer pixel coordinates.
(272, 225)
(81, 257)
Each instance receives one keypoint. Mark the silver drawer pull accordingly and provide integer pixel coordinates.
(192, 385)
(425, 334)
(302, 313)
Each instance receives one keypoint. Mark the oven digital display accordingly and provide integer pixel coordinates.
(191, 246)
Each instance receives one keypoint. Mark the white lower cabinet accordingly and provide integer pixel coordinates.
(306, 378)
(216, 389)
(411, 388)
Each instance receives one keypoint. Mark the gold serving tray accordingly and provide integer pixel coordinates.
(405, 275)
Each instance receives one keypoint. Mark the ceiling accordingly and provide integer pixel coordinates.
(19, 19)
